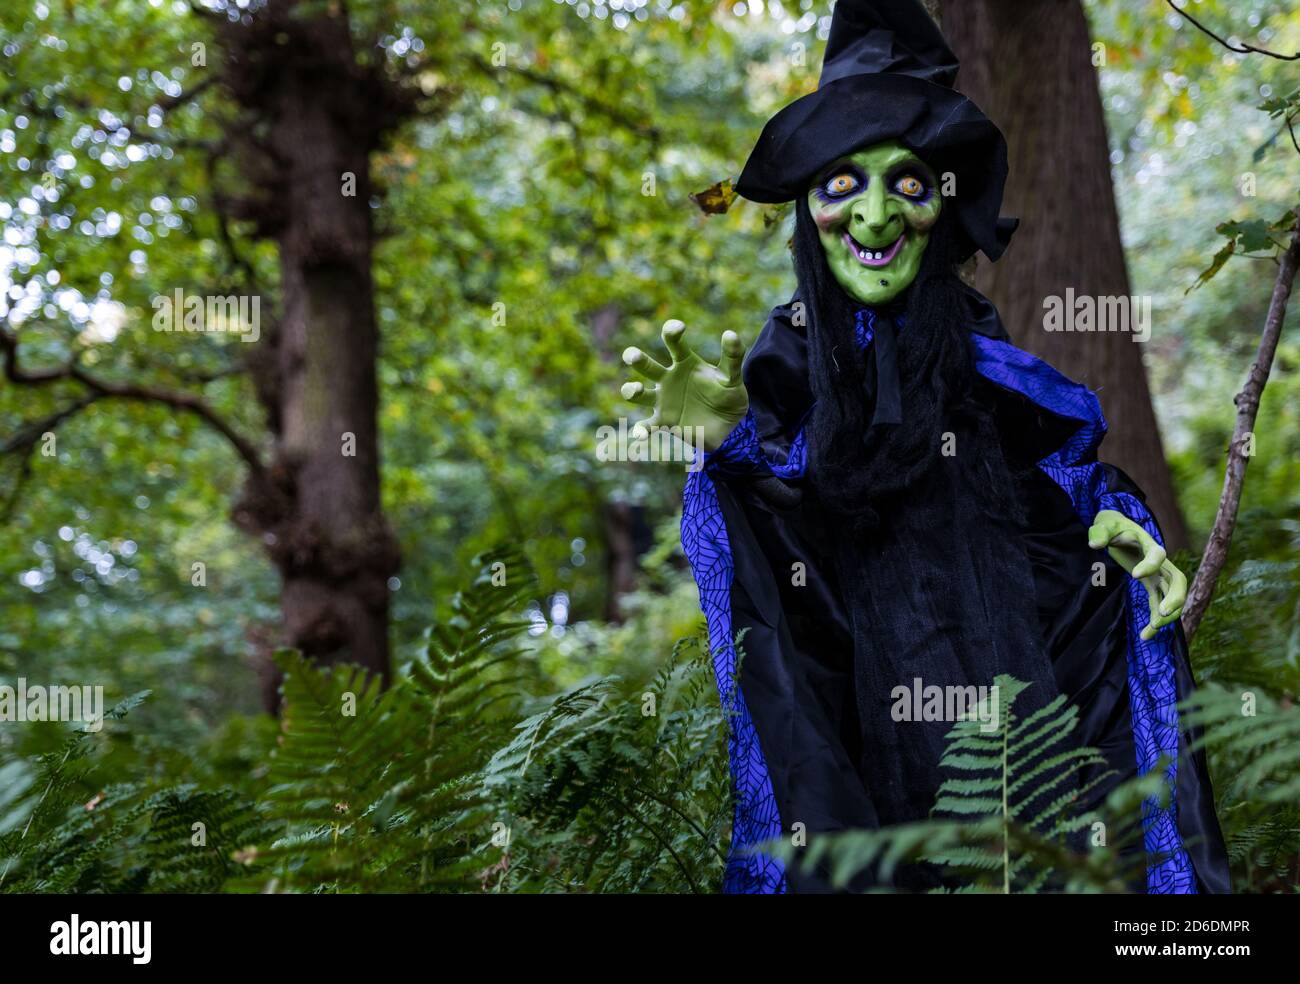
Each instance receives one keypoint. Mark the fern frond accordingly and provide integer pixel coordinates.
(1004, 814)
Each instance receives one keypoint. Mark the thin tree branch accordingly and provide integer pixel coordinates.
(1241, 49)
(201, 377)
(24, 473)
(181, 401)
(16, 374)
(25, 441)
(28, 436)
(560, 87)
(172, 102)
(101, 388)
(1247, 401)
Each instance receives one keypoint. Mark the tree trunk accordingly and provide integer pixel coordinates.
(620, 558)
(1028, 65)
(316, 115)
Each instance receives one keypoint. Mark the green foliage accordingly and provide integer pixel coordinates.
(1247, 237)
(196, 838)
(378, 789)
(368, 789)
(620, 789)
(51, 837)
(1251, 633)
(414, 787)
(1254, 740)
(1259, 736)
(1285, 108)
(1248, 661)
(1003, 775)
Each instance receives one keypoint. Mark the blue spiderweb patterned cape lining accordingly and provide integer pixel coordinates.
(1152, 691)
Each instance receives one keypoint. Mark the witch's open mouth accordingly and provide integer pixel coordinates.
(874, 257)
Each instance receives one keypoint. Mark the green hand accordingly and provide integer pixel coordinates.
(1134, 549)
(689, 393)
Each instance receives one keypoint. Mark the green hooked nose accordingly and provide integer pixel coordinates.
(874, 220)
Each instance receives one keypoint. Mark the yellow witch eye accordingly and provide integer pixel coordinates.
(910, 186)
(841, 184)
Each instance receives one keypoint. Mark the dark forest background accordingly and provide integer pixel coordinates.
(455, 216)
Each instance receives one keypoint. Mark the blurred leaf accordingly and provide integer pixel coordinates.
(715, 199)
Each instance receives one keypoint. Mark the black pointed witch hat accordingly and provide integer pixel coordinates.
(887, 75)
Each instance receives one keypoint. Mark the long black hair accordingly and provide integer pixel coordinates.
(860, 470)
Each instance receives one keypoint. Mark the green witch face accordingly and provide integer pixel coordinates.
(874, 211)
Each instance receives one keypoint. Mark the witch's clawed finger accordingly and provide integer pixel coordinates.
(674, 341)
(641, 429)
(1153, 557)
(1175, 590)
(639, 393)
(733, 357)
(643, 365)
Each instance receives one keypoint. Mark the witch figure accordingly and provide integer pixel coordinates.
(895, 495)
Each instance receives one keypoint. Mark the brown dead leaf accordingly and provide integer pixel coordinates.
(715, 200)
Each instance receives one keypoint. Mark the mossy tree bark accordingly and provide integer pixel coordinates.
(315, 114)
